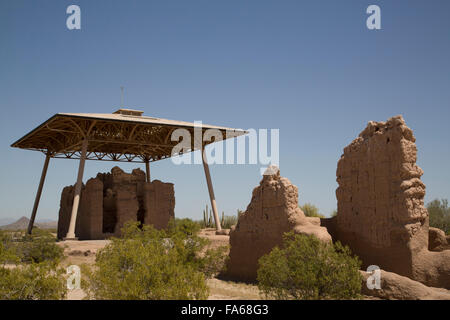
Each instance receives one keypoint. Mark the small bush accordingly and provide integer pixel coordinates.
(311, 210)
(150, 264)
(213, 261)
(8, 253)
(38, 247)
(185, 226)
(307, 268)
(32, 282)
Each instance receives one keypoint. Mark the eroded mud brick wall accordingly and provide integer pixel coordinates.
(65, 209)
(381, 213)
(273, 210)
(121, 197)
(158, 203)
(90, 215)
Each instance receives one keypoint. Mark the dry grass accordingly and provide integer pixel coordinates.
(229, 290)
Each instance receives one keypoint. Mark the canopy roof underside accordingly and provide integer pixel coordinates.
(113, 137)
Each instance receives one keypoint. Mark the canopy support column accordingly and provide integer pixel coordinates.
(211, 191)
(38, 193)
(76, 199)
(147, 170)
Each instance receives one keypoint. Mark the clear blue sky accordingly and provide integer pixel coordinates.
(310, 68)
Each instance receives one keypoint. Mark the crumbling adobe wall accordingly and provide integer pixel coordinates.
(159, 203)
(111, 199)
(127, 207)
(381, 213)
(65, 209)
(90, 215)
(273, 210)
(124, 189)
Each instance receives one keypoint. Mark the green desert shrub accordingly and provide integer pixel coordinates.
(306, 268)
(311, 210)
(183, 237)
(439, 213)
(38, 247)
(8, 253)
(149, 264)
(185, 226)
(213, 261)
(32, 282)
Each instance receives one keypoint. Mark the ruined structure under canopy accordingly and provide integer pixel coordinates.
(126, 135)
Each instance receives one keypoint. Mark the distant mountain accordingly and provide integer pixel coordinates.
(23, 222)
(20, 224)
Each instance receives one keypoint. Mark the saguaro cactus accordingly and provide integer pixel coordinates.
(205, 217)
(208, 218)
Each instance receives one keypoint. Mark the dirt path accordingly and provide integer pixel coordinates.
(81, 252)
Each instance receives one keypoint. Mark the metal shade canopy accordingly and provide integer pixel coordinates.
(126, 135)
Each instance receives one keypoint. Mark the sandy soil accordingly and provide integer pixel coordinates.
(215, 240)
(79, 252)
